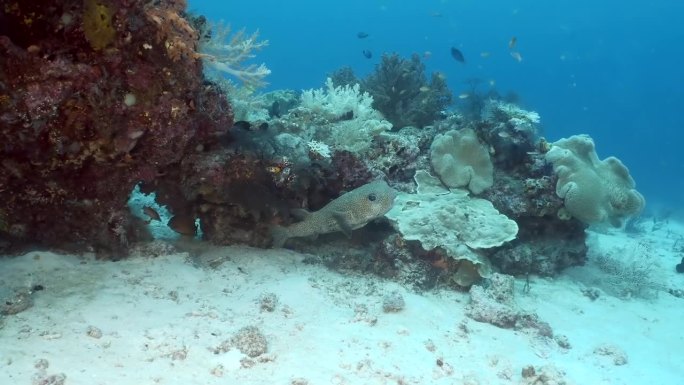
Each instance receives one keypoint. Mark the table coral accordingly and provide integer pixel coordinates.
(460, 225)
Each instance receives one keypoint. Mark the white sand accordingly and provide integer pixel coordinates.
(161, 318)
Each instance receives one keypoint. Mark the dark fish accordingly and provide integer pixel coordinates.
(242, 124)
(511, 43)
(367, 54)
(349, 115)
(152, 213)
(183, 224)
(362, 35)
(274, 110)
(456, 54)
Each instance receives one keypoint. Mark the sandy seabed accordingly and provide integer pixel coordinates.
(237, 315)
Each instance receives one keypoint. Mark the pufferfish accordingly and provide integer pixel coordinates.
(350, 211)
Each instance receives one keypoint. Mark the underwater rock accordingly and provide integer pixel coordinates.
(544, 375)
(400, 154)
(250, 341)
(509, 131)
(393, 302)
(17, 302)
(495, 304)
(96, 97)
(268, 302)
(618, 356)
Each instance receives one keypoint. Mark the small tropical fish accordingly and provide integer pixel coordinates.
(367, 54)
(152, 213)
(243, 124)
(464, 96)
(427, 55)
(516, 55)
(512, 42)
(348, 212)
(424, 89)
(362, 35)
(456, 54)
(485, 54)
(183, 224)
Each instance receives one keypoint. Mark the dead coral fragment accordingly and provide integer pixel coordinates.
(97, 24)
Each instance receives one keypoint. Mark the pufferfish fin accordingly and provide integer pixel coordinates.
(342, 222)
(300, 214)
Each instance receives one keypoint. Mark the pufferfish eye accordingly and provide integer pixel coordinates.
(372, 197)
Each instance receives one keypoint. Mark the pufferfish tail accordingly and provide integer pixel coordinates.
(279, 236)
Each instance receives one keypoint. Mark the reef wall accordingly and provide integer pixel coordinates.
(95, 97)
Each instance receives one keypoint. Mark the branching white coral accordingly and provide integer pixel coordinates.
(337, 101)
(227, 53)
(319, 148)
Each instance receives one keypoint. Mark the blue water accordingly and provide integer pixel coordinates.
(611, 69)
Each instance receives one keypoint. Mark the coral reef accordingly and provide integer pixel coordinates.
(95, 96)
(353, 123)
(524, 190)
(98, 97)
(402, 93)
(344, 76)
(510, 131)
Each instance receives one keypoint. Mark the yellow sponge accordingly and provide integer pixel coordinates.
(97, 24)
